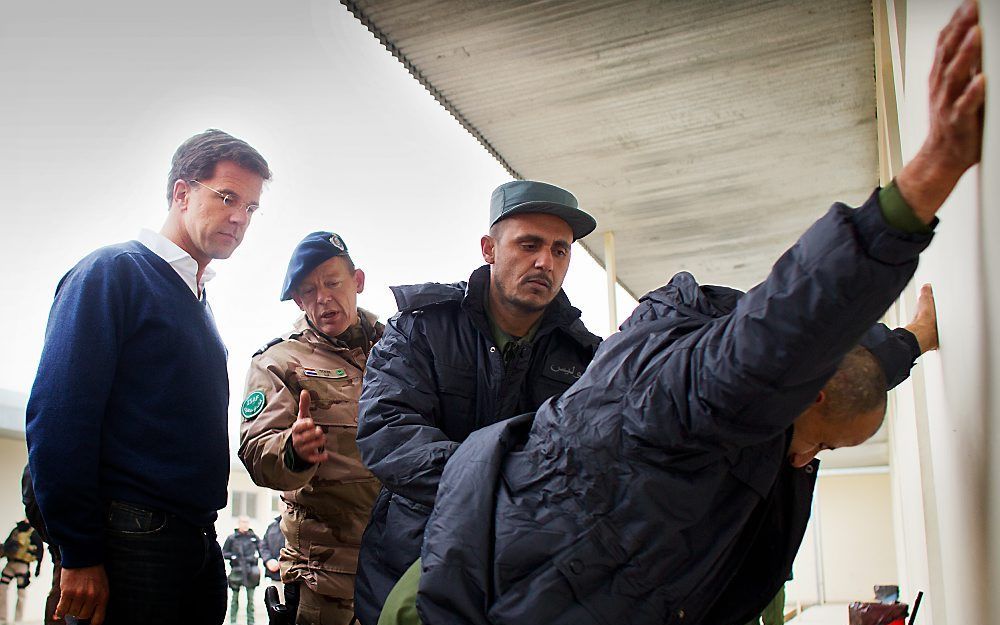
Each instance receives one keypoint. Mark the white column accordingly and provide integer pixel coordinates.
(989, 200)
(612, 275)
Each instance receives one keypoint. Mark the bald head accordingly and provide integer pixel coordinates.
(847, 411)
(858, 387)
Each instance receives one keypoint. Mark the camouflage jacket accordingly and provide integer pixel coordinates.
(329, 502)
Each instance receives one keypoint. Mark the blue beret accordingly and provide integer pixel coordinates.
(531, 196)
(311, 252)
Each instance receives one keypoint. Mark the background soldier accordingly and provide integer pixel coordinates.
(242, 550)
(22, 547)
(270, 552)
(300, 422)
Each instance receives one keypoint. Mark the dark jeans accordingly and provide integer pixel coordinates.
(161, 569)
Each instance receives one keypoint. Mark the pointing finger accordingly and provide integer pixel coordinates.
(304, 403)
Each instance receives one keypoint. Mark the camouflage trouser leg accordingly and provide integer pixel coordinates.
(13, 571)
(315, 609)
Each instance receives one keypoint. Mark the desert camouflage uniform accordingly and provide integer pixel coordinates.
(329, 503)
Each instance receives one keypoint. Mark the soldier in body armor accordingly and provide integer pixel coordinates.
(300, 421)
(22, 547)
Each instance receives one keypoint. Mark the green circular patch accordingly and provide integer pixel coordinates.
(253, 404)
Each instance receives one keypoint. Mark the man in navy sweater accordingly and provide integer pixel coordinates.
(127, 419)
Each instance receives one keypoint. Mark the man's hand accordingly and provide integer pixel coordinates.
(924, 323)
(308, 439)
(272, 565)
(83, 594)
(955, 139)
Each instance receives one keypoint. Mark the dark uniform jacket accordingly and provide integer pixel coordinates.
(435, 377)
(270, 547)
(657, 489)
(241, 550)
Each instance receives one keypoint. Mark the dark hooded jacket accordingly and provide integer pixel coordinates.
(435, 377)
(656, 489)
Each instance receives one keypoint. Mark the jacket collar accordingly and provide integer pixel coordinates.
(471, 297)
(559, 314)
(307, 331)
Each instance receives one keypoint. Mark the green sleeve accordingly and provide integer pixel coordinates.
(897, 213)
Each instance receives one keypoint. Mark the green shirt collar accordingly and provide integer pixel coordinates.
(505, 341)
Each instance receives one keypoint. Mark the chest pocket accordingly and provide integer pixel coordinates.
(457, 400)
(755, 466)
(333, 393)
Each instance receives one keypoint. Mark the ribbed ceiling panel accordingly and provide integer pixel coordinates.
(706, 134)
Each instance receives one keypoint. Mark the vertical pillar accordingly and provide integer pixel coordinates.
(919, 559)
(989, 18)
(612, 274)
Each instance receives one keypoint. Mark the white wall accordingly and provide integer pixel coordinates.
(849, 545)
(939, 448)
(260, 517)
(990, 193)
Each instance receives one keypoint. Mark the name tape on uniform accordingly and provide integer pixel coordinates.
(333, 374)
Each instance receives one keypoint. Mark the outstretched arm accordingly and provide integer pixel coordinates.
(748, 375)
(955, 139)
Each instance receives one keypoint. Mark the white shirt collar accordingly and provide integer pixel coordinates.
(185, 266)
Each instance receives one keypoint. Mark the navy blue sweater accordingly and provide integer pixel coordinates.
(130, 400)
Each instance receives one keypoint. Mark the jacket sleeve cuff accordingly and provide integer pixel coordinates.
(883, 242)
(81, 555)
(896, 352)
(292, 461)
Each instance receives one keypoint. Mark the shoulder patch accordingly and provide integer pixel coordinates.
(253, 405)
(267, 346)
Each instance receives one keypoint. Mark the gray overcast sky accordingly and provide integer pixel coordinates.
(95, 98)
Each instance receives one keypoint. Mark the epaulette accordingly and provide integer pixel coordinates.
(268, 346)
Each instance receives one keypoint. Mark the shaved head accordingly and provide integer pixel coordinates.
(858, 386)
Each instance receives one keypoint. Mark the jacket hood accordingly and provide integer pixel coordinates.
(414, 296)
(684, 298)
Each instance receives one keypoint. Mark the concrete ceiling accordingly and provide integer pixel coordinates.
(706, 134)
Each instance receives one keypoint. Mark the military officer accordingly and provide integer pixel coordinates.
(300, 421)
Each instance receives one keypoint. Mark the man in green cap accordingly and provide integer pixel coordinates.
(300, 421)
(459, 357)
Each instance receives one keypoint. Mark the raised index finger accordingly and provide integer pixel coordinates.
(304, 403)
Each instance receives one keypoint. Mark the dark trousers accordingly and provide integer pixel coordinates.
(162, 570)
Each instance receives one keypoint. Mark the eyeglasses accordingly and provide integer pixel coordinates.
(230, 200)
